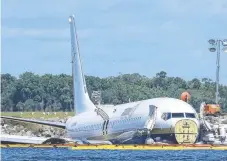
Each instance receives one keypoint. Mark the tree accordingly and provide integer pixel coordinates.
(161, 74)
(31, 92)
(8, 88)
(195, 83)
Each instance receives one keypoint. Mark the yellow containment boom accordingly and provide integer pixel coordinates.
(122, 147)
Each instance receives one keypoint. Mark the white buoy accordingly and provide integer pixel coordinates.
(149, 141)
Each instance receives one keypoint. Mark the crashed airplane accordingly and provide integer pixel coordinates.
(139, 122)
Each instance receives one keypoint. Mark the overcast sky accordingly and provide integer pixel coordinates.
(115, 36)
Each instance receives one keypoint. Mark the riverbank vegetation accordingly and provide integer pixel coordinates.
(32, 92)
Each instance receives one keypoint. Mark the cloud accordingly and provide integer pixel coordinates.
(56, 8)
(43, 33)
(193, 7)
(52, 8)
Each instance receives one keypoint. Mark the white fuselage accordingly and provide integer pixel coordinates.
(130, 117)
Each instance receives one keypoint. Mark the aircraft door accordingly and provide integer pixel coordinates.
(152, 117)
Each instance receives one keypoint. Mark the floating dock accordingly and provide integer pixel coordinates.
(120, 147)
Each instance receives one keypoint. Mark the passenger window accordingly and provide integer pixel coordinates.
(177, 115)
(190, 115)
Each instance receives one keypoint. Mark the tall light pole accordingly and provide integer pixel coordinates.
(216, 46)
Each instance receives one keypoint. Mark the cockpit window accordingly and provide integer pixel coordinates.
(190, 115)
(163, 116)
(177, 115)
(166, 116)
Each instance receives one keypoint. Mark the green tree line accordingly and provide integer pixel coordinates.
(32, 92)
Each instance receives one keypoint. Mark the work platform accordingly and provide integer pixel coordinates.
(120, 147)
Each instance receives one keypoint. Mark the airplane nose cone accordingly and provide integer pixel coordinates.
(186, 131)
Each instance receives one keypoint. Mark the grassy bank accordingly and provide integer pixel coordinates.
(38, 114)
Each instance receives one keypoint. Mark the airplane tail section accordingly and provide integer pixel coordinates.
(82, 101)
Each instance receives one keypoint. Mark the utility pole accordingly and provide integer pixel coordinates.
(217, 71)
(216, 46)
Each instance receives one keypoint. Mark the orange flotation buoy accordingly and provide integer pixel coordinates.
(185, 96)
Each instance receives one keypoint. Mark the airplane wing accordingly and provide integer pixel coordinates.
(49, 123)
(124, 137)
(92, 142)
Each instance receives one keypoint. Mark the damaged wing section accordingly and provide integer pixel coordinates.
(17, 139)
(124, 137)
(99, 142)
(49, 123)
